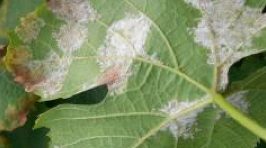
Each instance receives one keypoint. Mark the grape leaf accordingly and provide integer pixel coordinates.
(15, 102)
(252, 82)
(247, 66)
(10, 13)
(165, 62)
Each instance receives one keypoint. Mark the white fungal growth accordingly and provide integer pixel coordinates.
(182, 126)
(227, 28)
(71, 37)
(79, 11)
(56, 68)
(29, 28)
(125, 40)
(239, 101)
(77, 14)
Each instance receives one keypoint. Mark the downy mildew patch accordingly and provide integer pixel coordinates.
(124, 41)
(29, 28)
(182, 125)
(227, 28)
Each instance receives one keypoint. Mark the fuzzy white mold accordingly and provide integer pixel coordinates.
(239, 101)
(125, 40)
(29, 28)
(79, 11)
(182, 125)
(70, 37)
(55, 69)
(77, 14)
(227, 28)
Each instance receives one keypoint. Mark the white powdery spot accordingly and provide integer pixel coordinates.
(29, 28)
(125, 40)
(56, 68)
(183, 124)
(77, 14)
(239, 101)
(79, 11)
(71, 37)
(227, 28)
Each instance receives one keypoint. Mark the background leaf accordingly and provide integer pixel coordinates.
(26, 137)
(15, 102)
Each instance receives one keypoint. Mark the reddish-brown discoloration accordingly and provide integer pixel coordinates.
(16, 115)
(17, 61)
(54, 4)
(110, 76)
(26, 77)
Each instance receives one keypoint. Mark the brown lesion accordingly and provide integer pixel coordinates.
(110, 76)
(16, 115)
(17, 62)
(54, 4)
(114, 77)
(26, 77)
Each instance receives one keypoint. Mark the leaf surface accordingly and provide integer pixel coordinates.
(15, 102)
(160, 87)
(10, 14)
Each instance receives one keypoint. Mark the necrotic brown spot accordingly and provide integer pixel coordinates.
(16, 115)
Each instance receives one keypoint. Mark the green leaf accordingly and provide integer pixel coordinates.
(254, 81)
(89, 97)
(10, 14)
(15, 102)
(258, 4)
(261, 145)
(246, 67)
(165, 62)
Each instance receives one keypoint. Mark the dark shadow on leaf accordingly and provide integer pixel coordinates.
(92, 96)
(247, 66)
(261, 144)
(264, 10)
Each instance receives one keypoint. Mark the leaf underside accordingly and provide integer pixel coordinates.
(161, 70)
